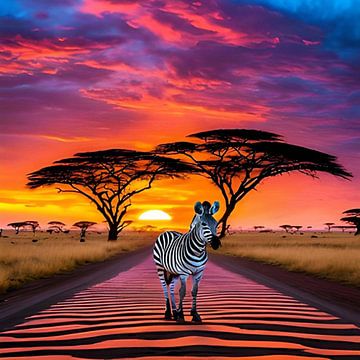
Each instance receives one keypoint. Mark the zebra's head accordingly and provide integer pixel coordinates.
(205, 222)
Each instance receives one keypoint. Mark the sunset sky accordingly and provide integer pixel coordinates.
(79, 75)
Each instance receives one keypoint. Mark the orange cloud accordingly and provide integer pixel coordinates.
(98, 7)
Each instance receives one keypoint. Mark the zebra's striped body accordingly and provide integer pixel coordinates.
(179, 255)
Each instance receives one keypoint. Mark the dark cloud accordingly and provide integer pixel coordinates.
(338, 20)
(30, 110)
(213, 60)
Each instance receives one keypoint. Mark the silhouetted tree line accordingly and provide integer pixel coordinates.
(236, 161)
(289, 228)
(54, 226)
(33, 225)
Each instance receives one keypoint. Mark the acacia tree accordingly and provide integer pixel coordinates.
(109, 179)
(238, 160)
(57, 226)
(83, 226)
(33, 225)
(258, 227)
(297, 227)
(17, 226)
(353, 218)
(286, 227)
(329, 225)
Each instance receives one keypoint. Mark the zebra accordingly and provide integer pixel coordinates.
(179, 255)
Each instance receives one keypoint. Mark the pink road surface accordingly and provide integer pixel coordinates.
(122, 318)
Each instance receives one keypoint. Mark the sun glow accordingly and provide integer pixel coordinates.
(154, 215)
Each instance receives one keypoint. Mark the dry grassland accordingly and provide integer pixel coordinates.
(22, 260)
(335, 256)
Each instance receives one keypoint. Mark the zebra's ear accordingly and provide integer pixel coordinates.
(199, 209)
(215, 207)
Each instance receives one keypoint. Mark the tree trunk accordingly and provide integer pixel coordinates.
(113, 232)
(224, 219)
(357, 232)
(82, 235)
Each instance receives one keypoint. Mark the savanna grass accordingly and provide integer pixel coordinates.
(335, 256)
(22, 260)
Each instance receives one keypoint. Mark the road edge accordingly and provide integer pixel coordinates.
(34, 297)
(262, 274)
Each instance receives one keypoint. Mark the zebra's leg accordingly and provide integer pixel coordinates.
(161, 274)
(172, 296)
(195, 279)
(182, 292)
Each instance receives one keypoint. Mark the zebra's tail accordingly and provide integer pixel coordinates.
(164, 276)
(168, 277)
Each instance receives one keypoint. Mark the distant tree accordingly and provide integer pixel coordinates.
(109, 179)
(309, 227)
(17, 226)
(228, 231)
(33, 225)
(297, 227)
(287, 228)
(343, 227)
(329, 225)
(83, 226)
(147, 228)
(238, 160)
(56, 226)
(125, 224)
(52, 229)
(22, 224)
(258, 227)
(353, 218)
(1, 230)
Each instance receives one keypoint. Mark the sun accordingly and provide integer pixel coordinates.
(154, 215)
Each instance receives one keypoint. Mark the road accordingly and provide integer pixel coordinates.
(121, 318)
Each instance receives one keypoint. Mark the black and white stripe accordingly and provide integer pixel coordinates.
(177, 256)
(181, 254)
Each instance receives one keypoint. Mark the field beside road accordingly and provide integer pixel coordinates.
(335, 256)
(22, 260)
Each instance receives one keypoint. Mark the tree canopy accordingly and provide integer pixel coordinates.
(17, 225)
(33, 224)
(57, 226)
(109, 179)
(329, 225)
(286, 227)
(237, 160)
(83, 226)
(353, 217)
